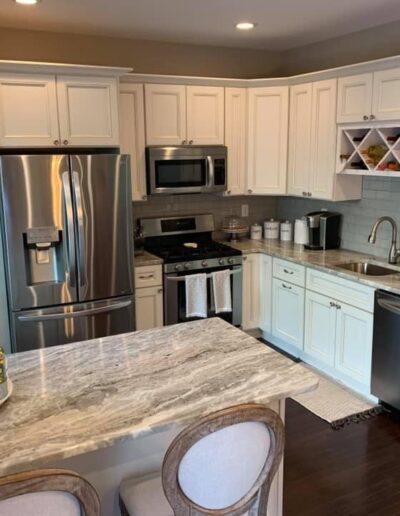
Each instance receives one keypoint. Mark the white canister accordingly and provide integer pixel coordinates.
(256, 232)
(301, 231)
(271, 229)
(286, 231)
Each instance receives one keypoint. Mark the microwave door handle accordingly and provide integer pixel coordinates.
(210, 171)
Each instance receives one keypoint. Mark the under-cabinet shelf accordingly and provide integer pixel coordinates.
(369, 151)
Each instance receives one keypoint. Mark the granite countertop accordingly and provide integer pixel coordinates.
(81, 397)
(147, 259)
(326, 261)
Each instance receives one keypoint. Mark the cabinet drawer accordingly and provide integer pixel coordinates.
(148, 276)
(347, 291)
(289, 271)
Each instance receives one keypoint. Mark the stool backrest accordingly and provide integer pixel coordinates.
(224, 464)
(46, 492)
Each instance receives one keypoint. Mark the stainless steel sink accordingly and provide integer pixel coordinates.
(367, 268)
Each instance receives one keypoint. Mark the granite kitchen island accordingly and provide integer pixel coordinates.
(109, 407)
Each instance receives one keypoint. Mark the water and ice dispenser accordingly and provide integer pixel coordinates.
(43, 249)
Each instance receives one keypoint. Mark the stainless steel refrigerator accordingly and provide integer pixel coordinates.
(68, 244)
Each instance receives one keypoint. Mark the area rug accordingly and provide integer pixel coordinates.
(336, 404)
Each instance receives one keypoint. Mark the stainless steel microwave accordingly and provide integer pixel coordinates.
(186, 169)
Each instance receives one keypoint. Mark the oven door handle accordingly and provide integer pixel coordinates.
(237, 270)
(210, 171)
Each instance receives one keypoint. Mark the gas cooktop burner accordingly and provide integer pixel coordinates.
(179, 253)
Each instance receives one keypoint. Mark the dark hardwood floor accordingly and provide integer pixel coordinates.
(354, 471)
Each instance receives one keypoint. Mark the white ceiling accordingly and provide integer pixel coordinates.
(281, 24)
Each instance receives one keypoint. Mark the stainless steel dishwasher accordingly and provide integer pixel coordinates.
(385, 383)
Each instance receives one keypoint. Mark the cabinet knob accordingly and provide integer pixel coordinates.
(65, 142)
(244, 258)
(56, 142)
(228, 192)
(365, 117)
(249, 191)
(305, 194)
(190, 142)
(159, 290)
(183, 142)
(309, 194)
(144, 197)
(372, 117)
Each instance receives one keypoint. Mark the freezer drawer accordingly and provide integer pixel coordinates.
(34, 329)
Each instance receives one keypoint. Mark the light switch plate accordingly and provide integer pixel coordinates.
(245, 210)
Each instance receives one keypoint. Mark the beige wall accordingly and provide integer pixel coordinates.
(375, 43)
(143, 56)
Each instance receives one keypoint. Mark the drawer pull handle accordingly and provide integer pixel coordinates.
(286, 286)
(287, 272)
(146, 276)
(335, 305)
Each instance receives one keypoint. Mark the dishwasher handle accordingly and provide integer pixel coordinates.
(388, 302)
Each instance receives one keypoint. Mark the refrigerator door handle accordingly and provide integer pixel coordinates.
(79, 313)
(81, 228)
(70, 229)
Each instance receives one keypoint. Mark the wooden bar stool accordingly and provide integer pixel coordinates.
(221, 465)
(47, 492)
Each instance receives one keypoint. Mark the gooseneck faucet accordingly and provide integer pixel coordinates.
(394, 252)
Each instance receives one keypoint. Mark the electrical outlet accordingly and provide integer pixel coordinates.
(245, 210)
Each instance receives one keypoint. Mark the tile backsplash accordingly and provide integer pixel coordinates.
(260, 208)
(381, 196)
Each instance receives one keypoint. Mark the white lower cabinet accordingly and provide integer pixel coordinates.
(320, 327)
(288, 312)
(339, 336)
(266, 293)
(251, 292)
(149, 307)
(354, 329)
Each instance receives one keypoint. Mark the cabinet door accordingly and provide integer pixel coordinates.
(88, 111)
(299, 139)
(267, 140)
(251, 292)
(323, 139)
(288, 312)
(205, 115)
(265, 280)
(386, 95)
(235, 139)
(354, 343)
(320, 328)
(132, 138)
(28, 111)
(165, 114)
(149, 308)
(354, 98)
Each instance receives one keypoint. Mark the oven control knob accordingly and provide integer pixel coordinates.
(231, 261)
(204, 263)
(221, 261)
(178, 267)
(186, 266)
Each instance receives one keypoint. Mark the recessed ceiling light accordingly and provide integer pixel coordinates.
(245, 25)
(27, 2)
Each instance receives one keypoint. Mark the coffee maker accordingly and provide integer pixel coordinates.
(323, 230)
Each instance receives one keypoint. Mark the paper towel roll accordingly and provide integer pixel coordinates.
(301, 231)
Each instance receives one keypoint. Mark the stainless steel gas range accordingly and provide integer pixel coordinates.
(186, 246)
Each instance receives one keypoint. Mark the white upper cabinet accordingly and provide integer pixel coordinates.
(28, 111)
(370, 96)
(235, 138)
(299, 139)
(267, 140)
(386, 95)
(88, 110)
(355, 98)
(178, 115)
(132, 137)
(323, 139)
(205, 115)
(165, 114)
